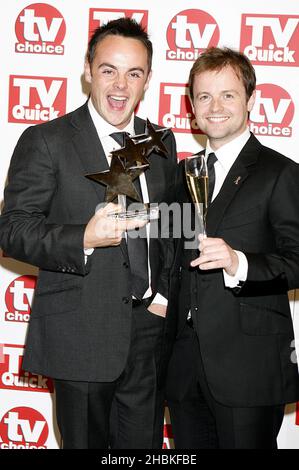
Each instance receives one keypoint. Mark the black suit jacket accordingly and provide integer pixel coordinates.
(246, 334)
(81, 315)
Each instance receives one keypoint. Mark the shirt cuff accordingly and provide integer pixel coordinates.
(87, 252)
(159, 299)
(241, 274)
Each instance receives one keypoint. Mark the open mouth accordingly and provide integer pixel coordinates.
(117, 102)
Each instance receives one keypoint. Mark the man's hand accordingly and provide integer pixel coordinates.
(158, 309)
(102, 230)
(215, 253)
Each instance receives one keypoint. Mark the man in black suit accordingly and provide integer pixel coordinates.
(90, 330)
(232, 369)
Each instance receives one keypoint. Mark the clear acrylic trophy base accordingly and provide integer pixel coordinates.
(141, 211)
(149, 212)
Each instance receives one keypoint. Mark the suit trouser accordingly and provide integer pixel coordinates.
(199, 422)
(126, 413)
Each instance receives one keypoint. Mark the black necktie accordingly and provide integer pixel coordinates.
(211, 173)
(137, 246)
(119, 137)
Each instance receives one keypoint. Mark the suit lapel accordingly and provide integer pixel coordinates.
(89, 148)
(233, 182)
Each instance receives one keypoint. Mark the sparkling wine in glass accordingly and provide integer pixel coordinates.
(198, 184)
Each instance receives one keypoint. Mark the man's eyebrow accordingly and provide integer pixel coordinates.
(202, 92)
(106, 64)
(232, 90)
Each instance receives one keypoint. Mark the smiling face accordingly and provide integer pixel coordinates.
(118, 76)
(220, 105)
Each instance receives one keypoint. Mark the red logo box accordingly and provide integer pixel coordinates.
(270, 39)
(189, 33)
(40, 29)
(33, 100)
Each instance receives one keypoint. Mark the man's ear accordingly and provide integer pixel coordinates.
(146, 85)
(251, 101)
(87, 72)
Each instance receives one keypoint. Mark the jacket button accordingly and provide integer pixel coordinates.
(126, 300)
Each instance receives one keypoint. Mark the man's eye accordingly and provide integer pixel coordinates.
(135, 74)
(107, 71)
(204, 98)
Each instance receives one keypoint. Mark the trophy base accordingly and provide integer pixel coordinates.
(147, 212)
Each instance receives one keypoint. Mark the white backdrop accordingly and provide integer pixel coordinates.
(42, 56)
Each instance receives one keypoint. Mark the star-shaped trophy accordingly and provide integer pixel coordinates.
(127, 164)
(132, 153)
(119, 180)
(152, 139)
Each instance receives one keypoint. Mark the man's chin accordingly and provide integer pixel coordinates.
(119, 120)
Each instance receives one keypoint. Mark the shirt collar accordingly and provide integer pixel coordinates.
(228, 153)
(103, 127)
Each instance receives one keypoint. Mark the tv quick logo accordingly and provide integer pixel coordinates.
(33, 100)
(273, 111)
(175, 109)
(23, 428)
(18, 299)
(12, 377)
(189, 33)
(100, 16)
(40, 29)
(271, 39)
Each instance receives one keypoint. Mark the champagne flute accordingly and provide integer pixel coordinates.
(198, 184)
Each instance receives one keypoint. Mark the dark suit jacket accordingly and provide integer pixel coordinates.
(81, 315)
(246, 334)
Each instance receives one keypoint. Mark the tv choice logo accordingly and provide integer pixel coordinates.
(175, 108)
(270, 39)
(189, 33)
(40, 29)
(273, 111)
(12, 376)
(34, 100)
(100, 16)
(18, 298)
(23, 428)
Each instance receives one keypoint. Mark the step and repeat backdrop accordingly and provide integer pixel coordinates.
(42, 56)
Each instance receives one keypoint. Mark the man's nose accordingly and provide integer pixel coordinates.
(120, 81)
(216, 104)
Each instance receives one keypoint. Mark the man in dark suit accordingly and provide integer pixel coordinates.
(90, 330)
(232, 369)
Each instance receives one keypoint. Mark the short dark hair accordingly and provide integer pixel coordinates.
(125, 27)
(216, 58)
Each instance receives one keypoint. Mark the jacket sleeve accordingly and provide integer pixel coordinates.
(277, 272)
(25, 233)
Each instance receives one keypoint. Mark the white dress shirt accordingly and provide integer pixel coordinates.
(226, 157)
(104, 129)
